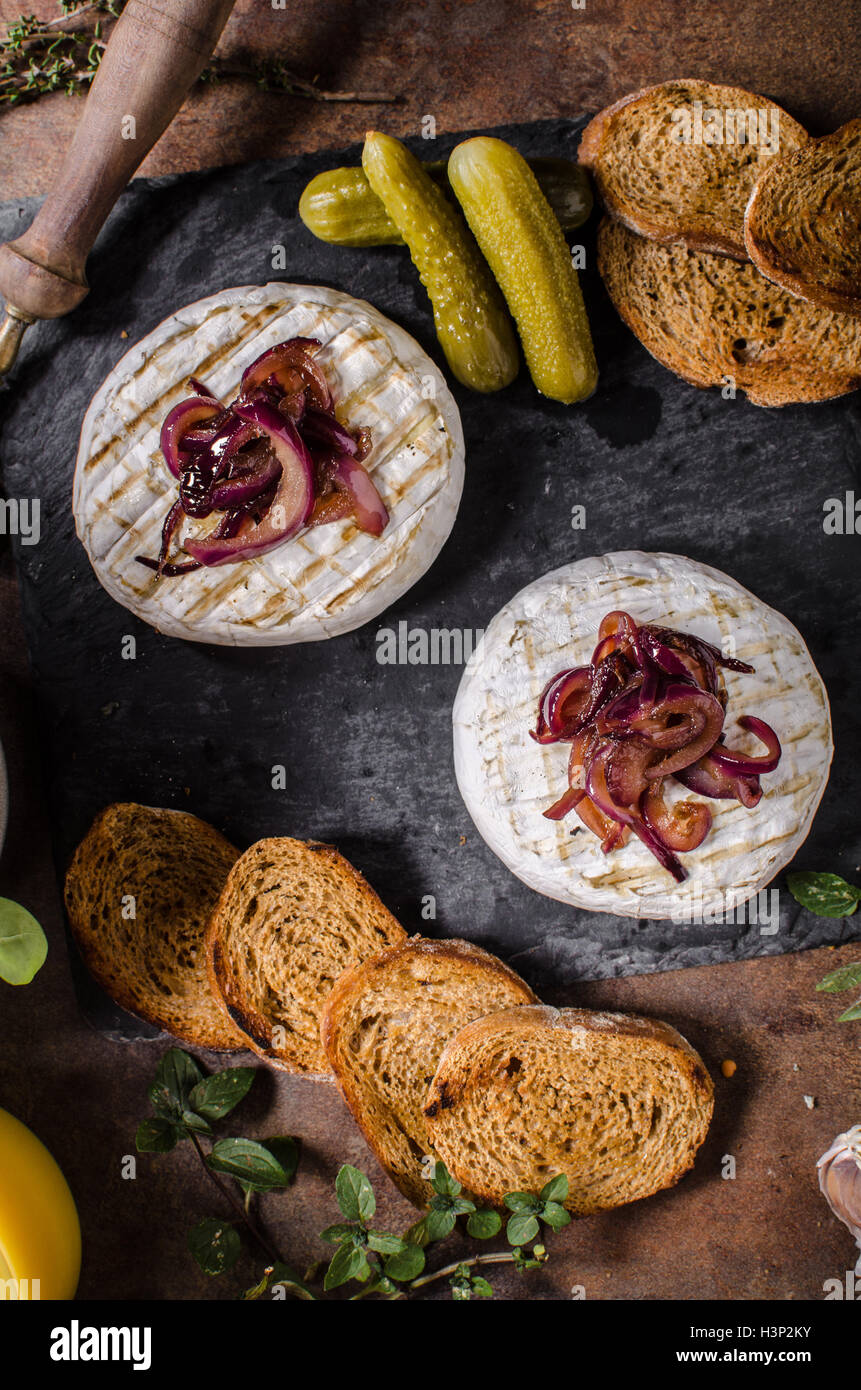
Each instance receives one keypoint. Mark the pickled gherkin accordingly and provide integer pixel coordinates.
(524, 245)
(339, 206)
(472, 323)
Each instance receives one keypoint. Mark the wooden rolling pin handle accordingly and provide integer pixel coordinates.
(157, 50)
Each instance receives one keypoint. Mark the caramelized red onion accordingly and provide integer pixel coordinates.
(650, 706)
(273, 462)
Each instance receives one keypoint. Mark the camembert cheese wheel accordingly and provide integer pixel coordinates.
(508, 780)
(327, 580)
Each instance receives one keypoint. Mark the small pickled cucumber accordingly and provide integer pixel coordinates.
(472, 323)
(339, 206)
(523, 243)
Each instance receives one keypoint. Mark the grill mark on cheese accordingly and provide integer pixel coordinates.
(158, 409)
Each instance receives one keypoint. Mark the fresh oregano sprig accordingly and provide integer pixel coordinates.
(186, 1104)
(528, 1211)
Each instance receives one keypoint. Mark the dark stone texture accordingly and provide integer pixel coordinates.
(658, 465)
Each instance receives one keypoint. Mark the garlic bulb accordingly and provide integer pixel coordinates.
(840, 1180)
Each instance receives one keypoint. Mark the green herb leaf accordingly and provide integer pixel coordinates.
(23, 944)
(461, 1206)
(850, 1014)
(388, 1245)
(175, 1078)
(196, 1122)
(439, 1224)
(442, 1181)
(826, 895)
(847, 977)
(156, 1136)
(251, 1163)
(342, 1230)
(481, 1286)
(484, 1224)
(215, 1096)
(556, 1190)
(355, 1194)
(522, 1201)
(417, 1234)
(522, 1227)
(406, 1264)
(286, 1150)
(555, 1215)
(348, 1262)
(214, 1244)
(257, 1290)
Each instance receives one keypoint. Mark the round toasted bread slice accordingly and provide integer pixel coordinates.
(802, 228)
(617, 1103)
(292, 918)
(678, 161)
(139, 893)
(384, 1027)
(507, 780)
(326, 580)
(715, 322)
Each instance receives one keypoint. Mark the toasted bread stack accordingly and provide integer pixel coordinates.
(438, 1048)
(732, 247)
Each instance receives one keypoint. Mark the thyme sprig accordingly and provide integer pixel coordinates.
(39, 57)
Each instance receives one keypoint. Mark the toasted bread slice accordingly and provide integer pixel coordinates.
(802, 227)
(139, 892)
(617, 1103)
(715, 322)
(384, 1027)
(672, 171)
(291, 919)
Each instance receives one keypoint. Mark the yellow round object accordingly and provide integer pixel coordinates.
(40, 1235)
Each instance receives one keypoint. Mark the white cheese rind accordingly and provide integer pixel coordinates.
(327, 581)
(507, 780)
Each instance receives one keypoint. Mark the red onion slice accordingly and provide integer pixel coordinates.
(285, 362)
(682, 827)
(368, 506)
(743, 764)
(565, 805)
(706, 778)
(179, 421)
(291, 505)
(599, 792)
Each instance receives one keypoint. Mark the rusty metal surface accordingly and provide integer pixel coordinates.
(467, 63)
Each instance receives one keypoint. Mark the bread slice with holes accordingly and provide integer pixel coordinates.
(802, 228)
(714, 321)
(384, 1027)
(619, 1104)
(139, 892)
(678, 161)
(292, 918)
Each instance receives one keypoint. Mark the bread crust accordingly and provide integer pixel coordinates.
(228, 983)
(453, 1079)
(105, 837)
(770, 381)
(349, 989)
(682, 225)
(804, 270)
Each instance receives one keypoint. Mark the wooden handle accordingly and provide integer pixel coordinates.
(157, 50)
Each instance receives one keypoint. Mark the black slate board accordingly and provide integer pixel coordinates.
(657, 464)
